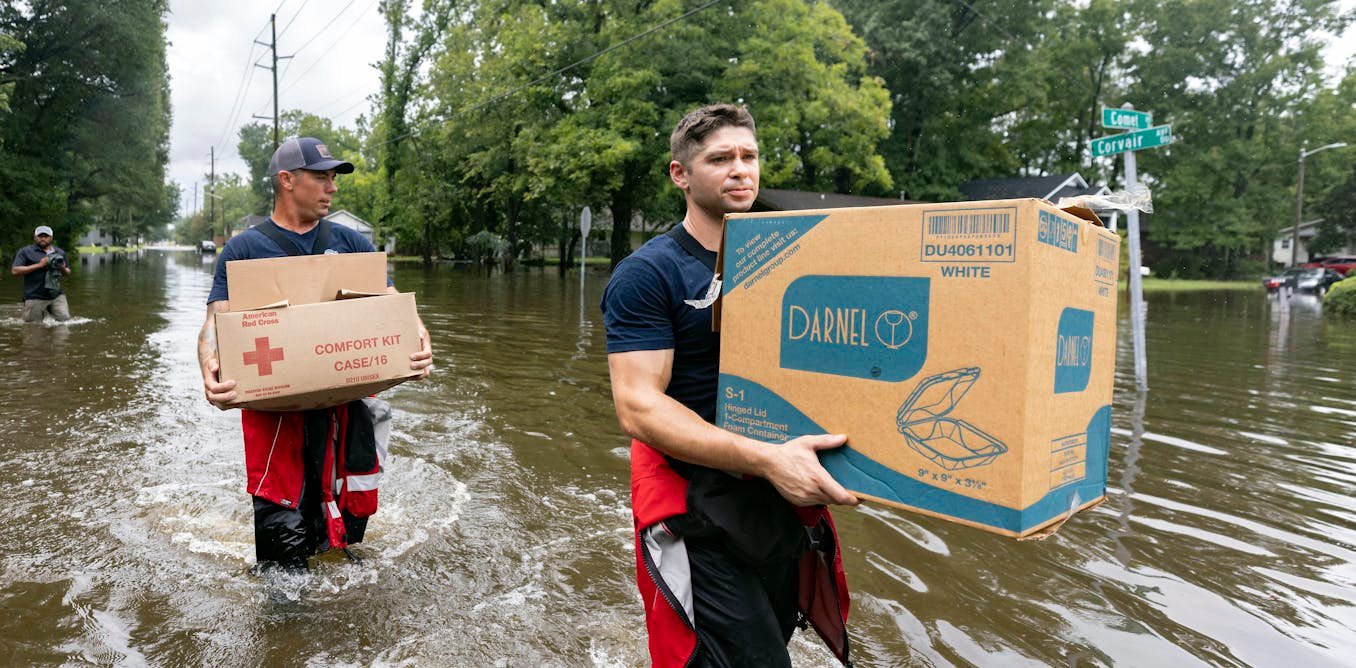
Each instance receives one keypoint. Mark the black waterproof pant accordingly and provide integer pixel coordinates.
(285, 537)
(745, 614)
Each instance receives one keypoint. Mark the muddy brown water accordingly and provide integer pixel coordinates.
(1228, 538)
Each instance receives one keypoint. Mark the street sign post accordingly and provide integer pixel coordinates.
(1132, 141)
(1126, 119)
(585, 223)
(1143, 135)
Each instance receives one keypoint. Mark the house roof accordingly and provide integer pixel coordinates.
(771, 199)
(343, 217)
(1050, 187)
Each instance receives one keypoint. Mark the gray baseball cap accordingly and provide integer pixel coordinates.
(42, 229)
(305, 153)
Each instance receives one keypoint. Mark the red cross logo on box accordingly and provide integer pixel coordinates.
(263, 356)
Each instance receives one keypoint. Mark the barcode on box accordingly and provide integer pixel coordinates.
(1106, 249)
(993, 223)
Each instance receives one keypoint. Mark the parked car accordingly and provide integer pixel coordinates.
(1285, 280)
(207, 246)
(1303, 280)
(1341, 265)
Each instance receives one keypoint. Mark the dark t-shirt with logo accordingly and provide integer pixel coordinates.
(644, 308)
(42, 284)
(255, 245)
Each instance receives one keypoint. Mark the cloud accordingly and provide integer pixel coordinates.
(212, 51)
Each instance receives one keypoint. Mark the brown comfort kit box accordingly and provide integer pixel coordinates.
(314, 331)
(966, 349)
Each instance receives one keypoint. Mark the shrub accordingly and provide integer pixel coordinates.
(1341, 298)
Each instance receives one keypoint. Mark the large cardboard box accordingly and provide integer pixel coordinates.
(292, 343)
(966, 349)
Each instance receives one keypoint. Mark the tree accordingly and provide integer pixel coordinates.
(955, 77)
(256, 149)
(84, 139)
(1234, 78)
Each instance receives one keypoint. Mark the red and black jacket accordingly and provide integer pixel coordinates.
(659, 493)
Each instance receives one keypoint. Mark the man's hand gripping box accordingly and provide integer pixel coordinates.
(314, 331)
(966, 349)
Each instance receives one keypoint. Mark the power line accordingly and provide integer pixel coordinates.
(322, 29)
(350, 107)
(320, 58)
(239, 94)
(265, 26)
(556, 72)
(293, 19)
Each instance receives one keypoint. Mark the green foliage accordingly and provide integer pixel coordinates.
(519, 154)
(237, 201)
(1017, 91)
(84, 118)
(1236, 79)
(1341, 298)
(256, 149)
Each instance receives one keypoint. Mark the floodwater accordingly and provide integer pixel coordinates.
(1229, 535)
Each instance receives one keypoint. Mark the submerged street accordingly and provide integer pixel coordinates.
(504, 536)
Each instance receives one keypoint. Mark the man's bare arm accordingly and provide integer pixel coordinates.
(220, 393)
(658, 420)
(28, 269)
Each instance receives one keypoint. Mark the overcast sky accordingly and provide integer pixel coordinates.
(335, 42)
(212, 53)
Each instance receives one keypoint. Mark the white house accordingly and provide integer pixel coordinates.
(95, 237)
(343, 217)
(1280, 248)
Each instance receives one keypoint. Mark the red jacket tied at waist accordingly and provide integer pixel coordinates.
(275, 470)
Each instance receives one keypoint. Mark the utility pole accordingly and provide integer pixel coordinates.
(212, 194)
(1299, 196)
(272, 44)
(195, 199)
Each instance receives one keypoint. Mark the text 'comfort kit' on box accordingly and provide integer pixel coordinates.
(314, 331)
(966, 349)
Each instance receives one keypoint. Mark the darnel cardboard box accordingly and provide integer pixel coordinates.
(314, 331)
(966, 349)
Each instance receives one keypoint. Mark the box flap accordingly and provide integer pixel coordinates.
(354, 294)
(1084, 213)
(305, 279)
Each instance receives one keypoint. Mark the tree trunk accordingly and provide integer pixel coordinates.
(621, 207)
(511, 234)
(428, 242)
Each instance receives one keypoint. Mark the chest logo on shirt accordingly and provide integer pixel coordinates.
(873, 327)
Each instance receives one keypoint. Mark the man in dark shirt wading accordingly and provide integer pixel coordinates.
(42, 265)
(726, 526)
(285, 452)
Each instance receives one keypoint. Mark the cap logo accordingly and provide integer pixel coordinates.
(324, 152)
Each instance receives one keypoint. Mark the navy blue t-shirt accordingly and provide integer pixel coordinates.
(255, 245)
(644, 309)
(45, 284)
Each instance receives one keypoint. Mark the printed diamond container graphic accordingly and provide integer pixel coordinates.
(946, 441)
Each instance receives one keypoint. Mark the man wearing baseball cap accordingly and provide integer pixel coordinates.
(42, 265)
(285, 453)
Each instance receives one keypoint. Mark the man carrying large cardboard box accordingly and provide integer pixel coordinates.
(733, 542)
(285, 453)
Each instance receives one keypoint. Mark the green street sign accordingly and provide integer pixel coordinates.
(1132, 141)
(1126, 119)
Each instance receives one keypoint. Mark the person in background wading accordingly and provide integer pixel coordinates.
(312, 474)
(42, 265)
(734, 547)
